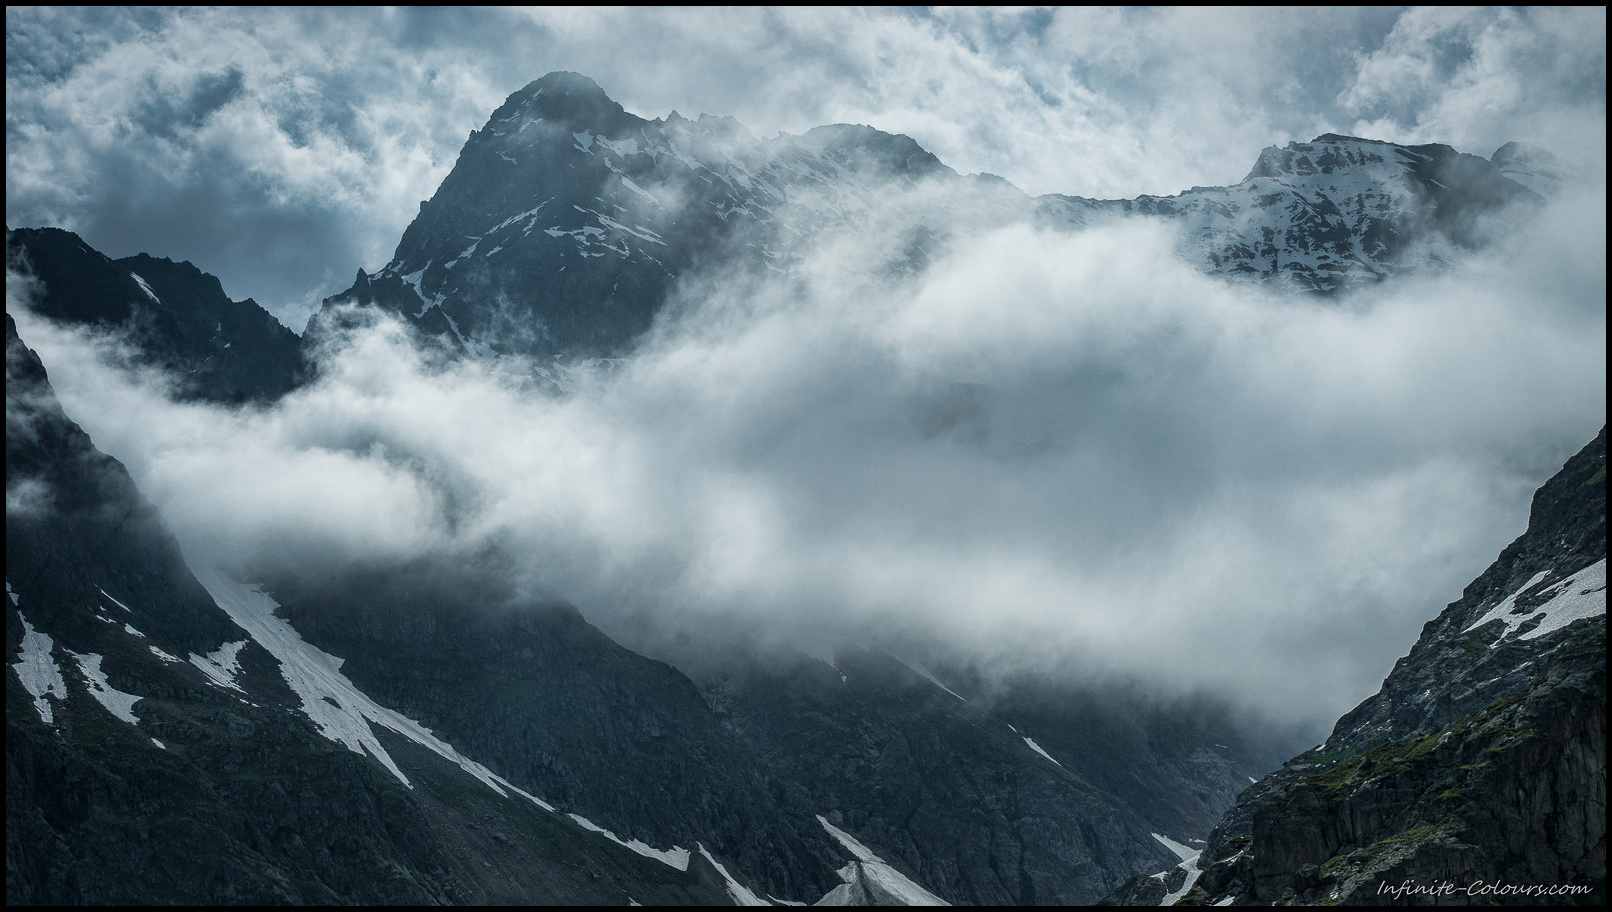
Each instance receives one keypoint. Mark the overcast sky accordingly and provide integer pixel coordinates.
(284, 149)
(1064, 452)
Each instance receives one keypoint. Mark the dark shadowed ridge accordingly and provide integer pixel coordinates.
(176, 316)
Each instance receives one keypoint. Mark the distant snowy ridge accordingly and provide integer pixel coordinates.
(563, 182)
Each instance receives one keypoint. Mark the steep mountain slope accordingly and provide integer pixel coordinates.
(176, 316)
(928, 779)
(1481, 761)
(944, 791)
(158, 751)
(1178, 764)
(567, 221)
(535, 690)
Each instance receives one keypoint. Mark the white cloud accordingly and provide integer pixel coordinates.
(1479, 78)
(1059, 451)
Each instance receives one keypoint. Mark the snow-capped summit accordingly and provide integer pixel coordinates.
(1330, 214)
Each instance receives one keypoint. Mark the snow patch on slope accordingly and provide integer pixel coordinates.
(1037, 748)
(37, 670)
(1189, 864)
(145, 288)
(132, 631)
(1579, 596)
(740, 893)
(1582, 595)
(115, 601)
(925, 673)
(676, 857)
(339, 709)
(1185, 853)
(221, 665)
(117, 702)
(885, 883)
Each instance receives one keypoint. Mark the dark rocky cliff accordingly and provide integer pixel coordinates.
(1479, 769)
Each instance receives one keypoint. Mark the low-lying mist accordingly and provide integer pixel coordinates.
(1056, 453)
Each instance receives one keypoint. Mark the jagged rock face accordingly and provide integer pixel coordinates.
(1483, 758)
(567, 221)
(133, 776)
(177, 317)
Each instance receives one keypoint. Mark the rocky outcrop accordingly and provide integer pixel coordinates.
(1478, 773)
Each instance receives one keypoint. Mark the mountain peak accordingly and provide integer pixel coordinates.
(1339, 137)
(562, 81)
(897, 152)
(568, 98)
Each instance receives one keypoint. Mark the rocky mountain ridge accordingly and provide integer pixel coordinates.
(174, 316)
(567, 221)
